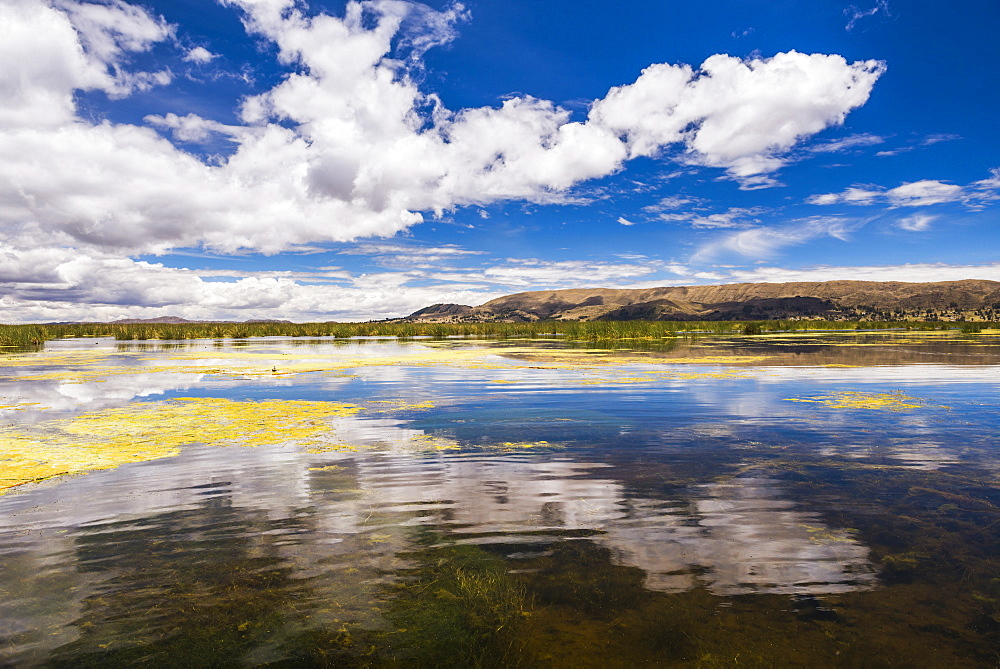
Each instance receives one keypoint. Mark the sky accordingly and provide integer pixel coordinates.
(330, 160)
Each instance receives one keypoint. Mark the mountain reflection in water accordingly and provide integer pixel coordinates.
(672, 488)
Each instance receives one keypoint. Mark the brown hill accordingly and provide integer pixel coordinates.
(834, 300)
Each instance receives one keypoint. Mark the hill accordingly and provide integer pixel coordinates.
(971, 299)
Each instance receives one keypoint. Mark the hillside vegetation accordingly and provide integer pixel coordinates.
(976, 300)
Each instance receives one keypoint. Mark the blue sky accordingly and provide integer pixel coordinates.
(351, 161)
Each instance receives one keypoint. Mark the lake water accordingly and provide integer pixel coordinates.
(798, 500)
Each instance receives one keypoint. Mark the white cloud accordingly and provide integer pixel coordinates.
(929, 140)
(915, 194)
(853, 195)
(50, 51)
(854, 14)
(536, 274)
(915, 272)
(916, 223)
(672, 202)
(64, 285)
(192, 128)
(346, 146)
(377, 249)
(765, 242)
(735, 217)
(341, 148)
(53, 286)
(849, 142)
(922, 193)
(735, 114)
(990, 184)
(625, 221)
(200, 55)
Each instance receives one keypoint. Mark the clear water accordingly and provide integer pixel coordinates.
(525, 509)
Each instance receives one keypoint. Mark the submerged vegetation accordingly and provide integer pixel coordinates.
(25, 336)
(763, 500)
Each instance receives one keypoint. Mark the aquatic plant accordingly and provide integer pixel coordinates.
(144, 431)
(850, 399)
(458, 606)
(26, 336)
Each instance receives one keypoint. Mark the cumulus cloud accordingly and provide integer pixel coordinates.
(348, 145)
(61, 285)
(49, 51)
(736, 114)
(199, 55)
(65, 285)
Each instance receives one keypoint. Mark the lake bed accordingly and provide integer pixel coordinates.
(809, 499)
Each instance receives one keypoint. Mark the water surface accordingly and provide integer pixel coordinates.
(800, 500)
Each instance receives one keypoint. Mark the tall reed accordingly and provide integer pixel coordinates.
(27, 336)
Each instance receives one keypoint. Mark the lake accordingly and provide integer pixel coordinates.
(809, 499)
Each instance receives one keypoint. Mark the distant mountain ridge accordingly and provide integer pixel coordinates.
(832, 300)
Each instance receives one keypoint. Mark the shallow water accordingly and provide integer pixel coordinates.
(799, 500)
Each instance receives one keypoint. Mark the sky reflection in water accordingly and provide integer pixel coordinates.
(674, 476)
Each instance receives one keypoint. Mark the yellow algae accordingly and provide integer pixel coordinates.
(49, 359)
(398, 405)
(658, 375)
(151, 430)
(81, 367)
(849, 399)
(521, 445)
(19, 406)
(824, 536)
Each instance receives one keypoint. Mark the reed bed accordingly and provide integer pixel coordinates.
(27, 336)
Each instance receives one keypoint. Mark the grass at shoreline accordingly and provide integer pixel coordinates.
(26, 336)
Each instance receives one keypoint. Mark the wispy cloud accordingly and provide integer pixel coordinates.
(915, 272)
(917, 223)
(761, 242)
(929, 140)
(673, 202)
(854, 14)
(921, 193)
(734, 217)
(409, 255)
(845, 143)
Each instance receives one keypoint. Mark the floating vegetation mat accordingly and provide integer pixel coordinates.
(151, 430)
(766, 501)
(849, 399)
